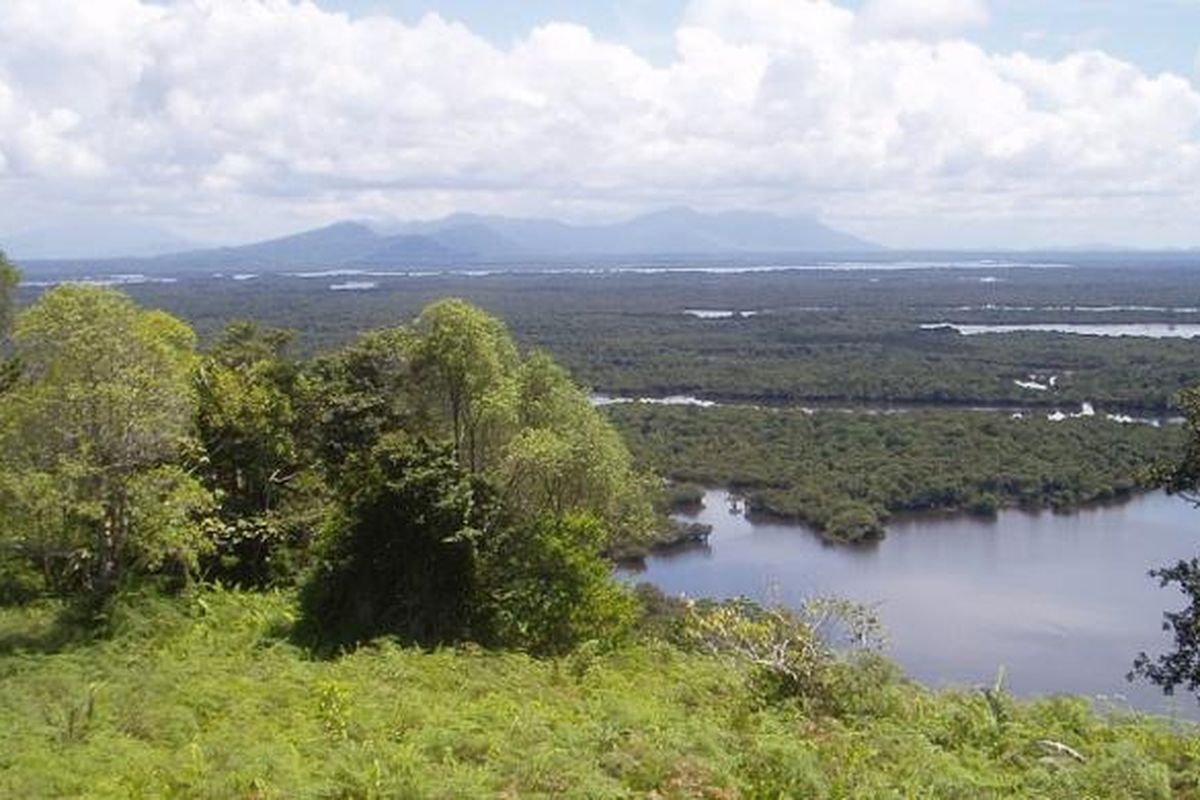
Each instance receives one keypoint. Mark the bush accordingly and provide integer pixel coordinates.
(400, 557)
(789, 654)
(854, 522)
(547, 589)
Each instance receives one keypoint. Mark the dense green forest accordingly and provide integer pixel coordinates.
(849, 336)
(231, 566)
(846, 473)
(427, 481)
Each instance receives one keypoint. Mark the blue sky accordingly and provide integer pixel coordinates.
(914, 123)
(1158, 35)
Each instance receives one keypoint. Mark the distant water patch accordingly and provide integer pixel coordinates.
(714, 313)
(363, 273)
(1085, 309)
(601, 400)
(1150, 330)
(354, 286)
(133, 279)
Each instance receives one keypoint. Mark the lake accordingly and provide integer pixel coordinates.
(1147, 330)
(1062, 602)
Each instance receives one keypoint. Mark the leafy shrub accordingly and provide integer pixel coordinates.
(400, 557)
(789, 654)
(547, 589)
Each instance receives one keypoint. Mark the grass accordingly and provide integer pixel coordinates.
(207, 697)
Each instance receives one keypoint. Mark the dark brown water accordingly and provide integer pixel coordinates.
(1062, 602)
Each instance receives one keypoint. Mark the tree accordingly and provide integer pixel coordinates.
(1181, 666)
(351, 398)
(466, 364)
(245, 418)
(247, 425)
(789, 652)
(498, 531)
(9, 278)
(101, 413)
(566, 458)
(1183, 476)
(399, 558)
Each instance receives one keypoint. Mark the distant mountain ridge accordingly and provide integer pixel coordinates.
(474, 238)
(673, 231)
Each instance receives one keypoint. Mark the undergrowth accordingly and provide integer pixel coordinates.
(208, 697)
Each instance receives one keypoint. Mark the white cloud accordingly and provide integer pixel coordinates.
(240, 117)
(922, 18)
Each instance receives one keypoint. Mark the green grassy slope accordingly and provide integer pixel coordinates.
(205, 697)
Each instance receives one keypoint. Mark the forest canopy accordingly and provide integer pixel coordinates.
(407, 480)
(846, 474)
(431, 484)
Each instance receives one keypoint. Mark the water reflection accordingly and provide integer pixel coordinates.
(1063, 602)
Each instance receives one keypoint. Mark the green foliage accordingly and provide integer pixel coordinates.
(840, 336)
(788, 653)
(9, 278)
(352, 397)
(251, 435)
(245, 419)
(204, 696)
(1181, 475)
(547, 590)
(566, 458)
(417, 552)
(400, 559)
(520, 424)
(846, 473)
(853, 521)
(682, 496)
(43, 523)
(463, 492)
(103, 401)
(466, 363)
(1180, 666)
(170, 522)
(405, 449)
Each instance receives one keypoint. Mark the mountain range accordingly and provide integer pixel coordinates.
(476, 238)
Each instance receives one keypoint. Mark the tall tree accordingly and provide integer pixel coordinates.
(351, 398)
(467, 364)
(9, 278)
(565, 458)
(104, 406)
(247, 423)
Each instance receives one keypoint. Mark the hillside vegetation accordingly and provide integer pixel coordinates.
(383, 572)
(206, 696)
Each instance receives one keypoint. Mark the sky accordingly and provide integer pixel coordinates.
(915, 123)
